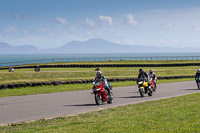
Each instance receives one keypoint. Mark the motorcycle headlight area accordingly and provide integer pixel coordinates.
(98, 83)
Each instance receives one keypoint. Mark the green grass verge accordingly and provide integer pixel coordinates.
(74, 87)
(179, 114)
(55, 74)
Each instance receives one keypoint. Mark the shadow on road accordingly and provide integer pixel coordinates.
(190, 89)
(130, 97)
(2, 104)
(134, 92)
(81, 105)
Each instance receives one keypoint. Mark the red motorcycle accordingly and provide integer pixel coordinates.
(153, 84)
(101, 94)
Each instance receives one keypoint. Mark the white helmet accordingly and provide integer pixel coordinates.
(99, 73)
(198, 70)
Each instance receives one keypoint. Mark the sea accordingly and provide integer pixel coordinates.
(19, 59)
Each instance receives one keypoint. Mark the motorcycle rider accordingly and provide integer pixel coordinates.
(11, 69)
(37, 69)
(100, 77)
(143, 76)
(197, 77)
(152, 76)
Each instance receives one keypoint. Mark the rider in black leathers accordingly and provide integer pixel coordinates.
(143, 76)
(197, 78)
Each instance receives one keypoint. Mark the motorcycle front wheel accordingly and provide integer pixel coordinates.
(110, 99)
(98, 99)
(141, 92)
(198, 85)
(150, 92)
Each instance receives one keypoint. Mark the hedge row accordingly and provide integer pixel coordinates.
(12, 86)
(108, 65)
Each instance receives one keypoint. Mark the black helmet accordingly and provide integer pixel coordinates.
(141, 70)
(151, 70)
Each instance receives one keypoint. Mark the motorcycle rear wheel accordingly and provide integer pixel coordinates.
(98, 99)
(154, 89)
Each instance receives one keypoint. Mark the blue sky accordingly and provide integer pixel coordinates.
(53, 23)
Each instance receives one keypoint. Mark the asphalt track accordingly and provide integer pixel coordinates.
(33, 107)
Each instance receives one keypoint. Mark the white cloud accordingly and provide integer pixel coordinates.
(169, 26)
(196, 27)
(130, 19)
(17, 16)
(20, 17)
(106, 20)
(41, 30)
(25, 32)
(90, 22)
(11, 29)
(61, 20)
(73, 28)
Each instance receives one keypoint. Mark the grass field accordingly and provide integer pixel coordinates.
(179, 114)
(56, 74)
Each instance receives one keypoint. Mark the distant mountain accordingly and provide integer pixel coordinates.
(23, 49)
(95, 45)
(98, 45)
